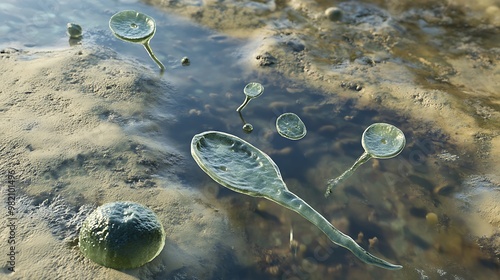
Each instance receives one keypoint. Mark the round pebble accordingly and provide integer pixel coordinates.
(432, 218)
(74, 30)
(247, 128)
(333, 13)
(185, 61)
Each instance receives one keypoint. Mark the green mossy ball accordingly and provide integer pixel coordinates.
(122, 235)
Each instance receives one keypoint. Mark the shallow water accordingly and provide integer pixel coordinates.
(387, 199)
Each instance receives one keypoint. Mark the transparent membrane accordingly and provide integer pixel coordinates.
(135, 27)
(241, 167)
(380, 140)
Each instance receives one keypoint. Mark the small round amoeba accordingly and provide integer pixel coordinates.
(135, 27)
(290, 126)
(122, 235)
(132, 26)
(253, 90)
(382, 140)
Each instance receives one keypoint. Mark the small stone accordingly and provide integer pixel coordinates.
(432, 218)
(185, 61)
(373, 242)
(247, 128)
(333, 13)
(74, 31)
(360, 237)
(351, 86)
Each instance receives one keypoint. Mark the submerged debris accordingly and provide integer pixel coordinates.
(446, 156)
(351, 86)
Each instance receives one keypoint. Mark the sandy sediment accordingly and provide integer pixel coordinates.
(76, 134)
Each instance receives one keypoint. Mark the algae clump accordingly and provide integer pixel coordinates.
(122, 235)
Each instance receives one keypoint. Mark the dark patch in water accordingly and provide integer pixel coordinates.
(418, 212)
(415, 239)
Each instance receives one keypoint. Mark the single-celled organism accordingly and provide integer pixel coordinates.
(251, 91)
(74, 31)
(122, 235)
(241, 167)
(379, 140)
(290, 126)
(135, 27)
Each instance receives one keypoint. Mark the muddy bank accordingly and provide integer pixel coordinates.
(76, 133)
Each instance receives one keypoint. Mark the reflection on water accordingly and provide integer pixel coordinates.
(403, 209)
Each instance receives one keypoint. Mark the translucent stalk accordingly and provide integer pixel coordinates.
(247, 127)
(380, 140)
(153, 56)
(334, 182)
(293, 202)
(247, 99)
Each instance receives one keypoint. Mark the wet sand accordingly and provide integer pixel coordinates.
(76, 133)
